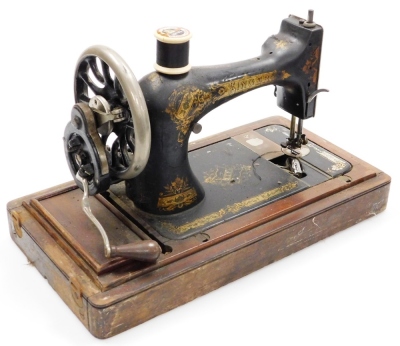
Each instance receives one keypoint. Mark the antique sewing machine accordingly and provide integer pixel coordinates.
(169, 220)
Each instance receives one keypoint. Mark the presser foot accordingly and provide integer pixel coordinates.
(296, 152)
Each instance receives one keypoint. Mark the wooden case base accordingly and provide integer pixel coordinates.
(111, 296)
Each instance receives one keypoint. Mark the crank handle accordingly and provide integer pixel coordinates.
(144, 251)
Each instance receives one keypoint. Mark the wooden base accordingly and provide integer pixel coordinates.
(111, 296)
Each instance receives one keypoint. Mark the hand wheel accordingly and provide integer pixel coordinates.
(108, 138)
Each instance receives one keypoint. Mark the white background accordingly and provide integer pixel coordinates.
(342, 291)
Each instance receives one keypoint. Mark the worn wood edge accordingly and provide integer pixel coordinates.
(47, 193)
(117, 318)
(56, 267)
(50, 230)
(95, 325)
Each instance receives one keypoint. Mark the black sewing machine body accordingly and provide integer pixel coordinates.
(289, 60)
(188, 217)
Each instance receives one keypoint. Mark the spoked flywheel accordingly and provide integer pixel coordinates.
(108, 138)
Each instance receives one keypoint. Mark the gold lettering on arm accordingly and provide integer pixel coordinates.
(189, 102)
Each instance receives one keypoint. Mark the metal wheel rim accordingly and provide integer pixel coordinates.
(136, 101)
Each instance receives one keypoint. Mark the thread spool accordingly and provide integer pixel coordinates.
(172, 50)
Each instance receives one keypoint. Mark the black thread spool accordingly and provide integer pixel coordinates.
(172, 50)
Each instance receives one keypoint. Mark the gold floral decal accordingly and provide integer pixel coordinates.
(338, 163)
(309, 67)
(188, 102)
(185, 104)
(178, 194)
(230, 209)
(225, 176)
